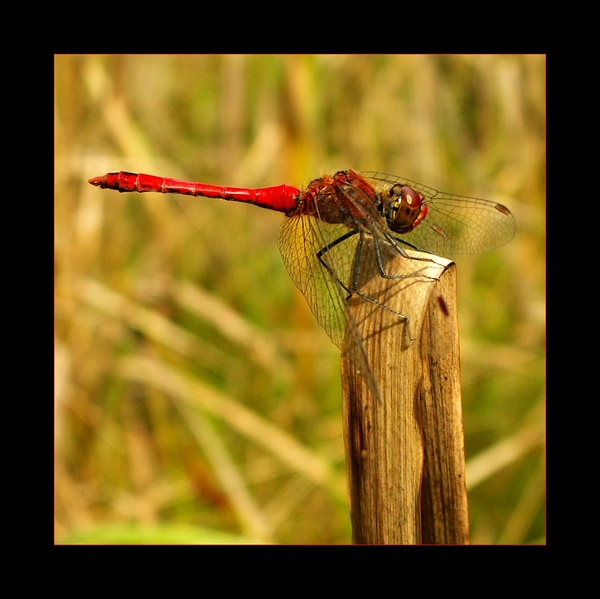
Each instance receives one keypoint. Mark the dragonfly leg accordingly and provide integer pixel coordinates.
(354, 285)
(394, 243)
(353, 288)
(330, 270)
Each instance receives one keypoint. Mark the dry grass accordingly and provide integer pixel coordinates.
(195, 394)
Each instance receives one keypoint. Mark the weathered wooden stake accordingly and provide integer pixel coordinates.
(394, 458)
(444, 509)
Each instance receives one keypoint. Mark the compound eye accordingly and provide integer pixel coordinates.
(408, 211)
(410, 196)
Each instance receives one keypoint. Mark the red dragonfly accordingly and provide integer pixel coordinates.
(327, 224)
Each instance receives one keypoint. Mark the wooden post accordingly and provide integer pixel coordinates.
(444, 509)
(390, 438)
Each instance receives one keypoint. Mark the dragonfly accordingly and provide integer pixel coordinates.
(327, 224)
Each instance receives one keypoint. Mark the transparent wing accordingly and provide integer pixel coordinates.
(320, 266)
(454, 224)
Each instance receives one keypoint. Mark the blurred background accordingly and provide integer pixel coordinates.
(197, 399)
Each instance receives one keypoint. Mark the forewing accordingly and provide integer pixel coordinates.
(454, 224)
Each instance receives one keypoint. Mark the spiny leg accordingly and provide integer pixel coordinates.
(394, 243)
(330, 270)
(353, 289)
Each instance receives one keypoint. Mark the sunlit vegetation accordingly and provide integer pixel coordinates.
(197, 399)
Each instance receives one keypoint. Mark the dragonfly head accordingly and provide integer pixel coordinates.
(405, 208)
